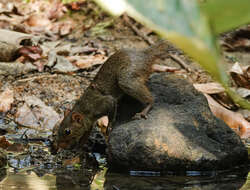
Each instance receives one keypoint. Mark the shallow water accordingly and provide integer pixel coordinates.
(24, 173)
(76, 178)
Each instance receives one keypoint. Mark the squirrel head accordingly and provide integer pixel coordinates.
(70, 131)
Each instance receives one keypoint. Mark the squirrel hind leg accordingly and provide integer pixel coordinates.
(137, 89)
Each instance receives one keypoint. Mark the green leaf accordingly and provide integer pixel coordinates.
(182, 23)
(225, 15)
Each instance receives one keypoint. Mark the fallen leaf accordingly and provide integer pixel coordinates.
(209, 88)
(240, 75)
(16, 147)
(66, 28)
(234, 120)
(82, 49)
(4, 143)
(238, 40)
(163, 68)
(243, 92)
(38, 20)
(58, 9)
(10, 10)
(236, 68)
(6, 99)
(76, 6)
(246, 71)
(63, 49)
(63, 65)
(40, 64)
(84, 62)
(103, 121)
(75, 160)
(36, 113)
(245, 113)
(32, 52)
(26, 117)
(218, 93)
(63, 28)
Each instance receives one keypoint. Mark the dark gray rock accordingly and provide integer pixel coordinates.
(180, 133)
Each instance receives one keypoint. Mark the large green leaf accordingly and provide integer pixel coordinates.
(225, 15)
(181, 22)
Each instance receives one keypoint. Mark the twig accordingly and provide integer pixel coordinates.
(24, 126)
(136, 30)
(36, 77)
(115, 187)
(180, 62)
(24, 134)
(163, 68)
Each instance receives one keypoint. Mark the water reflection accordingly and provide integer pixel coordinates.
(87, 179)
(74, 179)
(27, 181)
(227, 180)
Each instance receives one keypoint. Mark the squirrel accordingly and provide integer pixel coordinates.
(124, 72)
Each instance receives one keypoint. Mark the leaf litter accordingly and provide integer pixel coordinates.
(72, 41)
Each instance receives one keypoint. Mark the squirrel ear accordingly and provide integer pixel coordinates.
(77, 117)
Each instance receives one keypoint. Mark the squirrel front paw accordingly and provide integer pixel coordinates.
(139, 115)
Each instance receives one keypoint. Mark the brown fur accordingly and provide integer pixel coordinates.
(125, 72)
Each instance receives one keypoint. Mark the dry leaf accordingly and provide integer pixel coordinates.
(237, 69)
(32, 52)
(217, 91)
(57, 11)
(6, 99)
(63, 65)
(245, 113)
(246, 71)
(76, 6)
(209, 88)
(240, 75)
(25, 116)
(4, 143)
(63, 28)
(163, 68)
(234, 120)
(243, 92)
(36, 114)
(38, 20)
(102, 123)
(16, 147)
(66, 28)
(40, 64)
(75, 160)
(239, 40)
(82, 49)
(84, 62)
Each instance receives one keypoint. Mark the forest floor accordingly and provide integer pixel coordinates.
(68, 45)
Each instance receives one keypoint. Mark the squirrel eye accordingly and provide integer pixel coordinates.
(67, 131)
